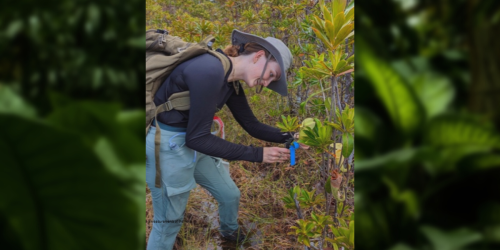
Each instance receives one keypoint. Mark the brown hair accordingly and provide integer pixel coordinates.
(251, 47)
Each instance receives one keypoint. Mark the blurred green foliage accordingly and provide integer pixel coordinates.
(427, 125)
(71, 111)
(85, 49)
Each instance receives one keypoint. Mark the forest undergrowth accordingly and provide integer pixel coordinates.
(309, 205)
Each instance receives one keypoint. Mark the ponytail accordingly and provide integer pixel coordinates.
(245, 49)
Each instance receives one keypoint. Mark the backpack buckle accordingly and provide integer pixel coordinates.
(162, 31)
(168, 106)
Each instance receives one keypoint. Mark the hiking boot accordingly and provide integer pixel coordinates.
(237, 236)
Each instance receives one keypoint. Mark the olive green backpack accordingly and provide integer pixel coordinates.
(163, 53)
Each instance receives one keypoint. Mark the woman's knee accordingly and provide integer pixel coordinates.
(233, 194)
(226, 194)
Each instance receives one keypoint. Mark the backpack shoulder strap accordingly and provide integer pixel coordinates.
(180, 100)
(226, 64)
(177, 101)
(208, 41)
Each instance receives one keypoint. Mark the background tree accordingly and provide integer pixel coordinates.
(427, 140)
(71, 111)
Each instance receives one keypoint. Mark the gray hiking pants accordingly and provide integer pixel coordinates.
(181, 169)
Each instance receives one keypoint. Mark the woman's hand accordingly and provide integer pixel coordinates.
(275, 154)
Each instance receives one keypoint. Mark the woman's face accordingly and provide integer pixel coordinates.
(272, 71)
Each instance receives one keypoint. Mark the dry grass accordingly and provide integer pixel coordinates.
(262, 213)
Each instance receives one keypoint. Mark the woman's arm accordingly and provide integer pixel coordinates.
(205, 79)
(242, 112)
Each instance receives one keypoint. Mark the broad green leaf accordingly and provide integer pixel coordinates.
(336, 126)
(350, 59)
(344, 70)
(332, 59)
(338, 23)
(455, 130)
(348, 117)
(450, 240)
(327, 69)
(342, 222)
(397, 96)
(305, 195)
(351, 233)
(349, 15)
(309, 134)
(338, 6)
(132, 174)
(133, 121)
(323, 38)
(318, 125)
(93, 119)
(308, 122)
(347, 72)
(407, 197)
(340, 65)
(330, 29)
(307, 242)
(335, 231)
(327, 14)
(314, 217)
(302, 109)
(318, 23)
(58, 180)
(343, 33)
(12, 103)
(349, 6)
(347, 144)
(435, 93)
(344, 231)
(398, 157)
(338, 55)
(309, 226)
(454, 137)
(350, 34)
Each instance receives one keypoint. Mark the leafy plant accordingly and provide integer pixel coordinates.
(344, 235)
(336, 26)
(304, 198)
(345, 120)
(305, 230)
(318, 137)
(288, 124)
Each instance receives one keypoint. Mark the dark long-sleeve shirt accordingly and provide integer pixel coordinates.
(209, 90)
